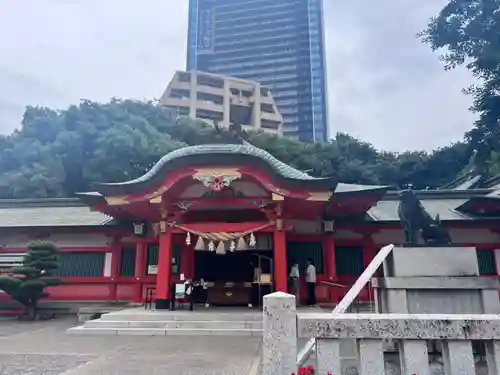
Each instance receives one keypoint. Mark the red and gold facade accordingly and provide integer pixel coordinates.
(220, 195)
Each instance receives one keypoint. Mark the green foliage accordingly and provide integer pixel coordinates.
(26, 283)
(468, 32)
(58, 153)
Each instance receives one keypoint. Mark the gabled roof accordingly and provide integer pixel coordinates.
(226, 154)
(473, 179)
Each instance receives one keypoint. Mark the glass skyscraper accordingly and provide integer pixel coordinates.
(279, 43)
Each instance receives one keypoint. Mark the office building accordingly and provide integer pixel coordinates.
(225, 100)
(277, 43)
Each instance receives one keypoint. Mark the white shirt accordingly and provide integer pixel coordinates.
(294, 272)
(311, 274)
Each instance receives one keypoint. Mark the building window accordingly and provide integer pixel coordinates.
(127, 266)
(486, 261)
(299, 252)
(89, 264)
(349, 260)
(152, 258)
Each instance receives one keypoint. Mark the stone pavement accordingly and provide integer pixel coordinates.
(44, 348)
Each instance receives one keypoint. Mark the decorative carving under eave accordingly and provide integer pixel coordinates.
(184, 205)
(276, 190)
(322, 196)
(116, 201)
(156, 200)
(277, 197)
(216, 182)
(216, 179)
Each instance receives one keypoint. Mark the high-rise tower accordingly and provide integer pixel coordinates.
(278, 43)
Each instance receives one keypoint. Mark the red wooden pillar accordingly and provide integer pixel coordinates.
(164, 270)
(280, 271)
(116, 260)
(330, 266)
(140, 269)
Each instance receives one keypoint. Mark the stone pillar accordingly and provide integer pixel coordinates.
(279, 342)
(116, 260)
(164, 270)
(280, 271)
(140, 269)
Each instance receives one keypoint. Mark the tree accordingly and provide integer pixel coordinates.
(59, 153)
(26, 284)
(469, 32)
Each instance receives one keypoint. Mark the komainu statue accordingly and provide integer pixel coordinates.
(417, 221)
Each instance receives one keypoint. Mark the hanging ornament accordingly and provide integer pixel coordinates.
(252, 241)
(232, 246)
(242, 245)
(200, 244)
(211, 246)
(188, 239)
(221, 248)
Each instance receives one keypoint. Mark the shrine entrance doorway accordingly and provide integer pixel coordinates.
(239, 278)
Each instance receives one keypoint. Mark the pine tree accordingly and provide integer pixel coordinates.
(26, 283)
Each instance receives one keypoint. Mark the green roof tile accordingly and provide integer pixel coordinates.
(45, 215)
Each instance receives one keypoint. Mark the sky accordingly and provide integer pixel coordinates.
(384, 85)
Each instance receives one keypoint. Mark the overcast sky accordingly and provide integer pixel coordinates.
(384, 86)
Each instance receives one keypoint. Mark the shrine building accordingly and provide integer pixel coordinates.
(216, 212)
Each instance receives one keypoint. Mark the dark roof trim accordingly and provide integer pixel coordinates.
(492, 181)
(91, 199)
(222, 154)
(442, 194)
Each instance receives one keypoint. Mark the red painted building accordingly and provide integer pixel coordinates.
(209, 211)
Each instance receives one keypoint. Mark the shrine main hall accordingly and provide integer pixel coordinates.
(217, 212)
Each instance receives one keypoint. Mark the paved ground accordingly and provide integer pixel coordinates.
(44, 348)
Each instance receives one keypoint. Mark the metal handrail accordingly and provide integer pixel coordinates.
(333, 284)
(350, 296)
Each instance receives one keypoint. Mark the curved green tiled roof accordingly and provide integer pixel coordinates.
(227, 154)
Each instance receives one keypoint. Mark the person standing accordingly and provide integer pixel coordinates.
(311, 283)
(255, 298)
(295, 281)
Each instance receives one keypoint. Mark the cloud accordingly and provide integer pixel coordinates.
(384, 85)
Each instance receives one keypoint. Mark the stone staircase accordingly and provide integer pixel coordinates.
(166, 323)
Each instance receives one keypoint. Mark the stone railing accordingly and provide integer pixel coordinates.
(413, 339)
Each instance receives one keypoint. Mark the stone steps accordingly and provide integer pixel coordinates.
(82, 330)
(162, 323)
(168, 316)
(183, 324)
